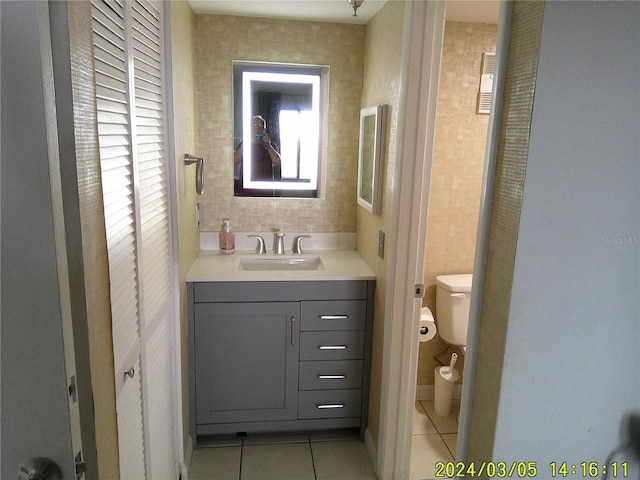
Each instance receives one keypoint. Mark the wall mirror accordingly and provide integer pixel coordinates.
(370, 157)
(280, 111)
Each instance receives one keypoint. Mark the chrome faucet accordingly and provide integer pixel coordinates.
(260, 248)
(278, 243)
(297, 247)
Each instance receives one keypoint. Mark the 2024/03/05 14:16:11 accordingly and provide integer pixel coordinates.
(530, 469)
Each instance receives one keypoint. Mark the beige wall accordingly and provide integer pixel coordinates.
(184, 106)
(221, 39)
(458, 163)
(382, 69)
(94, 247)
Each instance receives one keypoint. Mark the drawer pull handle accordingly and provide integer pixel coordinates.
(332, 347)
(332, 377)
(333, 317)
(328, 406)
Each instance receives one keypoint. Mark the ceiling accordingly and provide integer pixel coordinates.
(476, 11)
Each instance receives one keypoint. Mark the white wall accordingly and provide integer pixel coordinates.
(572, 358)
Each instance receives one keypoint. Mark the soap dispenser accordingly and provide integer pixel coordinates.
(227, 238)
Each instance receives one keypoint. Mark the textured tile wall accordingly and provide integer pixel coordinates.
(510, 169)
(383, 70)
(184, 120)
(221, 39)
(458, 163)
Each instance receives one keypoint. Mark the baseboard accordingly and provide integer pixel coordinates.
(427, 392)
(371, 449)
(183, 474)
(188, 452)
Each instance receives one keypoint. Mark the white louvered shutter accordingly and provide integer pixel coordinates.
(155, 238)
(129, 56)
(116, 162)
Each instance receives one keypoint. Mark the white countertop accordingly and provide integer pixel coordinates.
(211, 266)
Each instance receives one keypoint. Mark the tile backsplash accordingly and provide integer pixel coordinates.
(220, 39)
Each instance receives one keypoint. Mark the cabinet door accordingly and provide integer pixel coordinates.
(246, 361)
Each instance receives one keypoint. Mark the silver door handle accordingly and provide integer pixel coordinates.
(293, 330)
(333, 317)
(130, 373)
(328, 406)
(332, 347)
(332, 377)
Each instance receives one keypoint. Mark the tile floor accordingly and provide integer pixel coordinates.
(322, 456)
(434, 438)
(286, 457)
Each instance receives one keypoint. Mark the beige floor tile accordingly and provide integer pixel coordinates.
(451, 439)
(443, 424)
(422, 424)
(345, 460)
(277, 462)
(221, 463)
(426, 450)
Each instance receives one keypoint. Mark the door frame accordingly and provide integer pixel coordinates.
(422, 53)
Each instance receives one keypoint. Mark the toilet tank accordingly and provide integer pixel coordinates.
(453, 298)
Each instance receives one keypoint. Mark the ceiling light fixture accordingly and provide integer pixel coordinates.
(355, 4)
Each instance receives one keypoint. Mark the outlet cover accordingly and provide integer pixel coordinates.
(381, 244)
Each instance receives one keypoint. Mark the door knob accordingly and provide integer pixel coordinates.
(130, 373)
(39, 469)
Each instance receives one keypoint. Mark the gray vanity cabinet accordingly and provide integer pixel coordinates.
(246, 361)
(279, 356)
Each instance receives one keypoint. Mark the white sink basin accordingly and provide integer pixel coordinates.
(280, 262)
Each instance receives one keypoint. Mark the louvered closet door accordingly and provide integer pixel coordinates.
(128, 46)
(155, 239)
(116, 161)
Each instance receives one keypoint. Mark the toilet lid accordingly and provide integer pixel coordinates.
(455, 283)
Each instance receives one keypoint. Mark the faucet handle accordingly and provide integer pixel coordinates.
(260, 248)
(297, 247)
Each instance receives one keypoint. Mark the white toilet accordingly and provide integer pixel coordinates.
(453, 298)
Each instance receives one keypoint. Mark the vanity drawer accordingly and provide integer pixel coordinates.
(330, 375)
(333, 315)
(329, 404)
(341, 345)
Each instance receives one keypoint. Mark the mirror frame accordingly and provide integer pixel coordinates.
(317, 78)
(370, 157)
